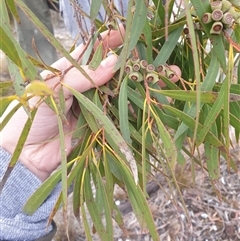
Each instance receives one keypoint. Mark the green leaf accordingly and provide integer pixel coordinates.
(94, 8)
(5, 101)
(138, 201)
(7, 45)
(112, 134)
(212, 160)
(136, 14)
(190, 122)
(92, 208)
(168, 143)
(5, 84)
(168, 47)
(63, 155)
(13, 9)
(97, 58)
(123, 111)
(22, 139)
(191, 96)
(40, 195)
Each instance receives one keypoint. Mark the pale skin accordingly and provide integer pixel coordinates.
(41, 152)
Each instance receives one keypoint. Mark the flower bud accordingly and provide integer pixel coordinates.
(207, 18)
(128, 68)
(216, 28)
(227, 18)
(143, 64)
(216, 5)
(217, 15)
(226, 5)
(150, 68)
(136, 76)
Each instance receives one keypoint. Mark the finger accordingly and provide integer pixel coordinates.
(177, 73)
(100, 76)
(111, 40)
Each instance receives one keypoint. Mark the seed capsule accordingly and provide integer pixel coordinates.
(161, 68)
(143, 64)
(217, 15)
(227, 18)
(128, 69)
(216, 28)
(136, 67)
(169, 74)
(216, 5)
(152, 77)
(150, 68)
(136, 76)
(226, 5)
(207, 18)
(135, 60)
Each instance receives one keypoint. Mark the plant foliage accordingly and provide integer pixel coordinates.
(130, 130)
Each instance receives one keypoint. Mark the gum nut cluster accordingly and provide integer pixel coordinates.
(223, 16)
(139, 70)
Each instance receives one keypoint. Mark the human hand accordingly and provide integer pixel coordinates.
(41, 151)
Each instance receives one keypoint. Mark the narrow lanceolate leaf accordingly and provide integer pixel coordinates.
(215, 110)
(5, 101)
(111, 132)
(6, 117)
(190, 96)
(138, 201)
(40, 195)
(136, 14)
(92, 208)
(123, 111)
(168, 47)
(101, 197)
(168, 143)
(97, 58)
(94, 9)
(5, 84)
(22, 139)
(212, 160)
(51, 38)
(190, 122)
(7, 44)
(13, 9)
(18, 148)
(63, 154)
